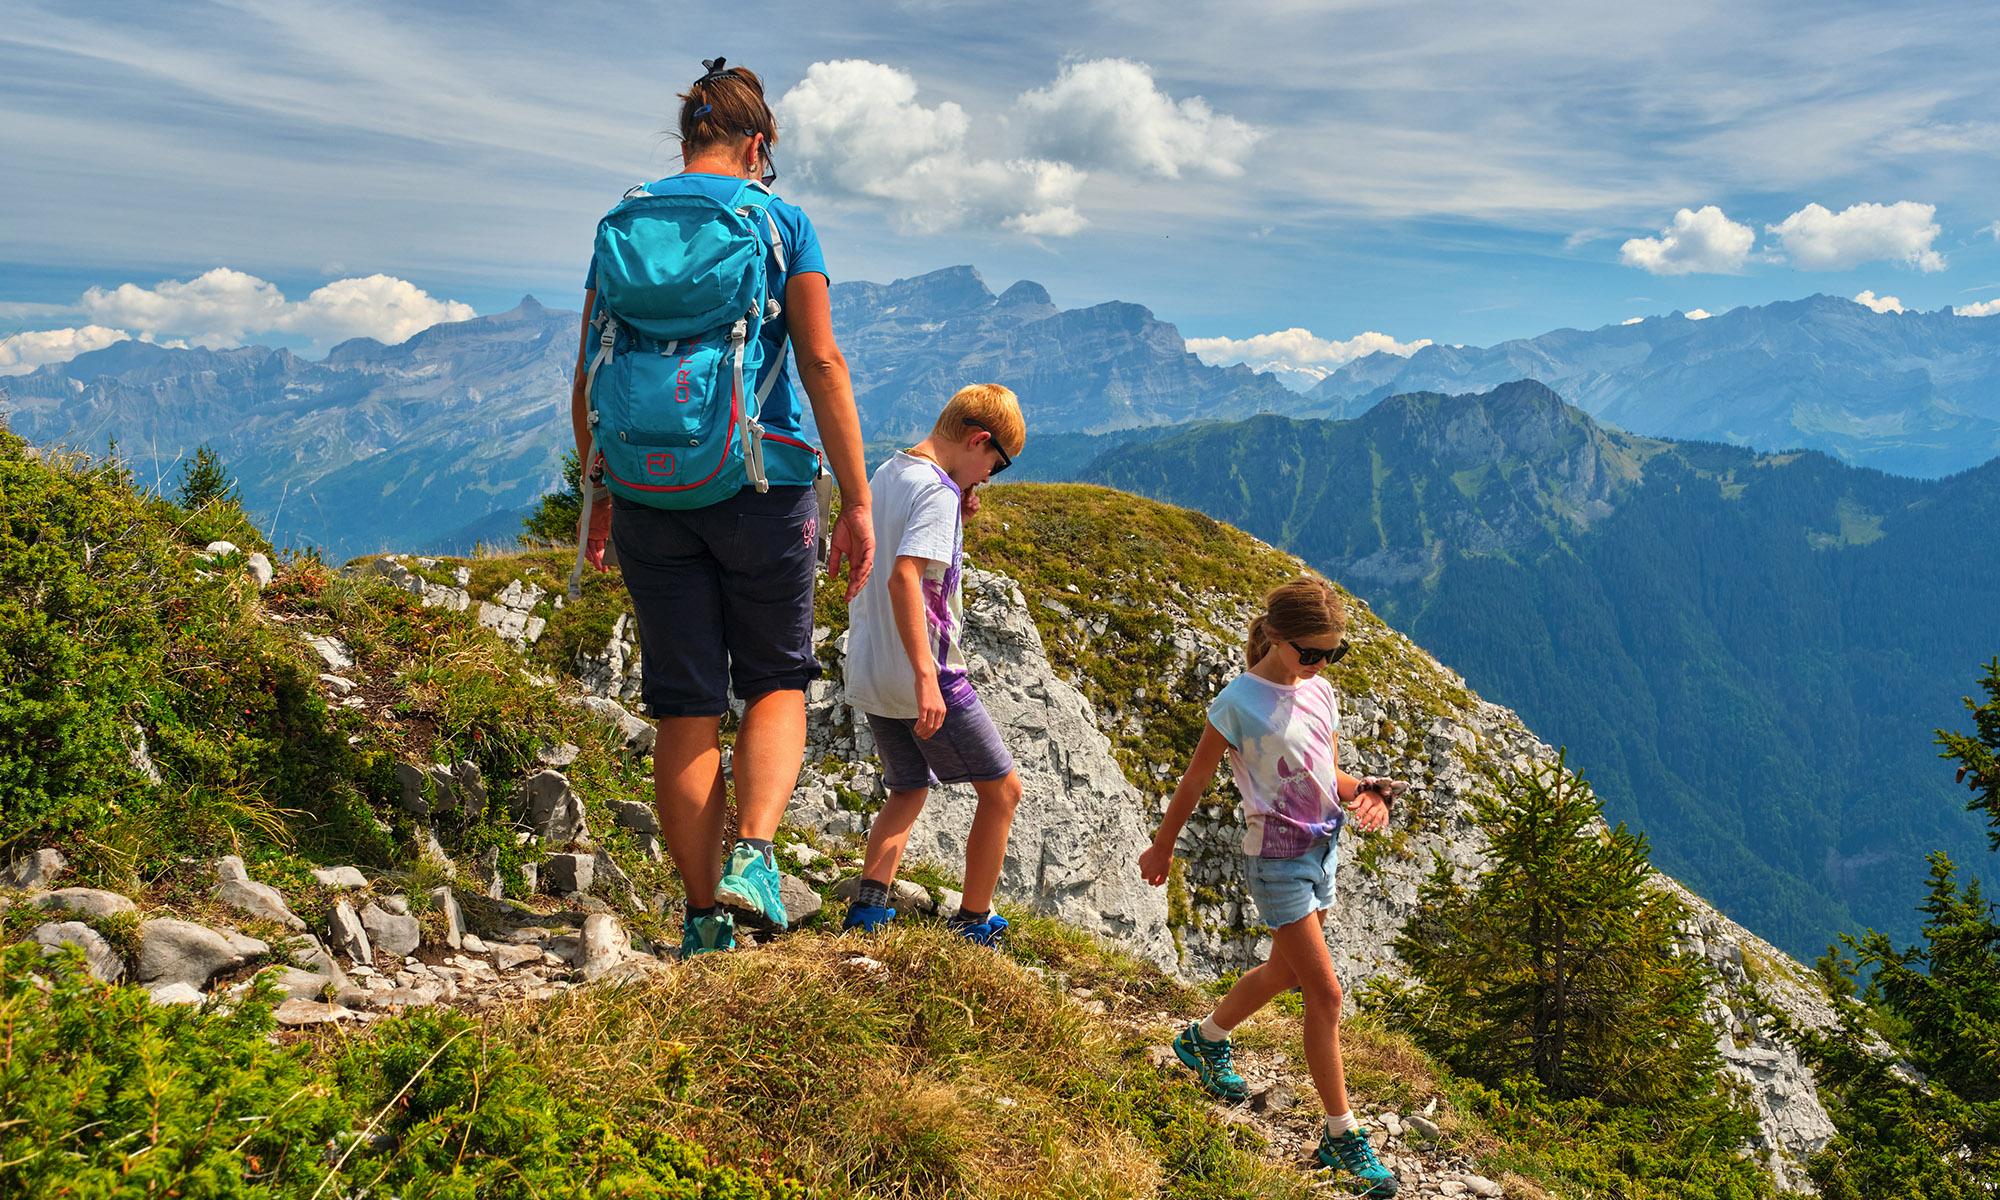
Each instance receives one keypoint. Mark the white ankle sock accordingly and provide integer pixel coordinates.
(1344, 1123)
(1212, 1032)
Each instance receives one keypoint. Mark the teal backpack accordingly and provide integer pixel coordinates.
(683, 292)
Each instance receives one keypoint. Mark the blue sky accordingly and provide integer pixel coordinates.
(296, 173)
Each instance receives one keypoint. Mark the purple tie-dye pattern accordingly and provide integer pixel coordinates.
(1284, 766)
(953, 682)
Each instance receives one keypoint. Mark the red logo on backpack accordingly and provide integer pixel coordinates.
(659, 462)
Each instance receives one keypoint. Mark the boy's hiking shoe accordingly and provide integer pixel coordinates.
(750, 888)
(1350, 1154)
(702, 935)
(1212, 1064)
(867, 917)
(985, 933)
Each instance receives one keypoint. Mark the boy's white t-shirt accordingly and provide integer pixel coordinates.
(917, 515)
(1282, 751)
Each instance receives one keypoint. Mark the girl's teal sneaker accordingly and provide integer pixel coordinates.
(750, 887)
(703, 935)
(1212, 1062)
(1350, 1153)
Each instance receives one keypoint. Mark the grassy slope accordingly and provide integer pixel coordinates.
(947, 1072)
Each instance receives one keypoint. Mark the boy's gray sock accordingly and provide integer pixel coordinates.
(873, 894)
(965, 916)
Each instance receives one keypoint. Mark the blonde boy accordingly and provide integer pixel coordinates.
(906, 659)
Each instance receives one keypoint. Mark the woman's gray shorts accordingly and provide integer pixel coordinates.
(724, 597)
(1287, 889)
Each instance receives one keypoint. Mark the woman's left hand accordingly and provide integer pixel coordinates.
(600, 529)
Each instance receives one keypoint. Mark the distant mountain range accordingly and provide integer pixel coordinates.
(1910, 393)
(1745, 652)
(448, 438)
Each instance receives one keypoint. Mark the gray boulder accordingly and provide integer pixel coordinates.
(801, 902)
(172, 951)
(98, 956)
(549, 807)
(236, 889)
(563, 874)
(332, 651)
(410, 780)
(176, 993)
(340, 877)
(347, 935)
(88, 901)
(258, 564)
(637, 734)
(34, 872)
(604, 945)
(391, 933)
(454, 917)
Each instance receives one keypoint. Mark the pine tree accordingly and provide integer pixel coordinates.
(555, 516)
(1558, 960)
(204, 482)
(1938, 1134)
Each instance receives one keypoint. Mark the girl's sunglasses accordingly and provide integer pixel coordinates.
(1314, 655)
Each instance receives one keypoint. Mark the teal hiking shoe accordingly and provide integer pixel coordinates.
(704, 935)
(1212, 1063)
(750, 887)
(1350, 1154)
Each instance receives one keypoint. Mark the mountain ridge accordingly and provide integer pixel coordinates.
(1724, 639)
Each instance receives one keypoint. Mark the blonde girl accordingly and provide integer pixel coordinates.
(1278, 722)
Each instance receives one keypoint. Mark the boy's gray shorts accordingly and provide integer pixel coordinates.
(965, 749)
(1287, 889)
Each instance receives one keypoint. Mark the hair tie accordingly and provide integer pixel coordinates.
(701, 112)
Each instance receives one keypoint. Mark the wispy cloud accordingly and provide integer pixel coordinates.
(1299, 350)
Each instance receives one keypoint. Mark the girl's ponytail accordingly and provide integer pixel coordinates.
(1305, 607)
(1258, 644)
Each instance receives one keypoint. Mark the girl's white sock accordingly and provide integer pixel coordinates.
(1343, 1123)
(1211, 1032)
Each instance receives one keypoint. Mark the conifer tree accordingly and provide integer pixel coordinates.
(1936, 1134)
(204, 482)
(555, 516)
(1558, 960)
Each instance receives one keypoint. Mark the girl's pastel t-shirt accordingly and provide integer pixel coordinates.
(1282, 753)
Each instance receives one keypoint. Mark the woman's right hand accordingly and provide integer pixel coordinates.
(853, 544)
(600, 529)
(1155, 861)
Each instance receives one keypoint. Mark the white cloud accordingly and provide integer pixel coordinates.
(1633, 321)
(1881, 304)
(1109, 112)
(1994, 229)
(1702, 239)
(1298, 350)
(1985, 308)
(855, 128)
(1818, 239)
(21, 353)
(1697, 314)
(223, 307)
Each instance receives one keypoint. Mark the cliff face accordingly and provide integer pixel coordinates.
(1083, 822)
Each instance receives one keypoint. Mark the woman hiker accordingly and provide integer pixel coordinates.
(723, 593)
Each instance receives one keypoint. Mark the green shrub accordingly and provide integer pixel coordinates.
(108, 1095)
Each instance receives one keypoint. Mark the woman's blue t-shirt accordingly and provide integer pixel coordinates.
(781, 411)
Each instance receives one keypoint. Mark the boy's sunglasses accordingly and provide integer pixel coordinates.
(1314, 655)
(993, 440)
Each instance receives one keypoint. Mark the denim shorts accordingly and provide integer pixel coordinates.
(723, 596)
(965, 749)
(1287, 889)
